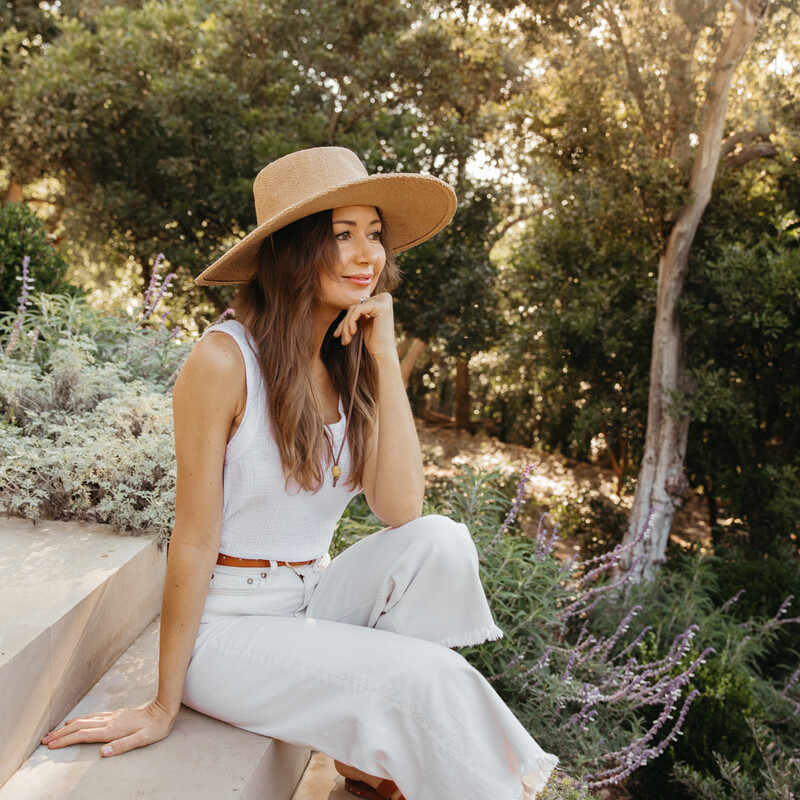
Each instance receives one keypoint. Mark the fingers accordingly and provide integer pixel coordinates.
(79, 736)
(373, 308)
(76, 729)
(348, 327)
(119, 746)
(98, 715)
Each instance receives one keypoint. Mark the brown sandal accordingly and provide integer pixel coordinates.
(383, 791)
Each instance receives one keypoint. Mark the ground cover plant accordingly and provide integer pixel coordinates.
(85, 411)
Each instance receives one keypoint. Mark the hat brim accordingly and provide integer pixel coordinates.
(414, 207)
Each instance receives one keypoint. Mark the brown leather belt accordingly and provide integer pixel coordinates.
(232, 561)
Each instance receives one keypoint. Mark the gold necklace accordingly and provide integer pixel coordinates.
(336, 470)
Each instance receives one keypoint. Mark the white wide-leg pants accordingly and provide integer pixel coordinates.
(350, 657)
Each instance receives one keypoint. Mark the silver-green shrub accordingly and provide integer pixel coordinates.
(81, 440)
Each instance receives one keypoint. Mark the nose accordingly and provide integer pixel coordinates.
(365, 251)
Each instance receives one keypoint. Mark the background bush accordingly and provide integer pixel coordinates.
(22, 233)
(85, 413)
(82, 440)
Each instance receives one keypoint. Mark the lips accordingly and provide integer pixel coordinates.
(359, 280)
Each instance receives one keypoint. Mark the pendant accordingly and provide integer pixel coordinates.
(336, 471)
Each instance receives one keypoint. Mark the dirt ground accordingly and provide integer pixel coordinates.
(553, 479)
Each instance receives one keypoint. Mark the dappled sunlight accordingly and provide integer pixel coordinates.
(554, 480)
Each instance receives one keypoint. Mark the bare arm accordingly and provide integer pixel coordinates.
(393, 480)
(209, 396)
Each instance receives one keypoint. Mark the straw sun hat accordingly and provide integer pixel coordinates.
(415, 207)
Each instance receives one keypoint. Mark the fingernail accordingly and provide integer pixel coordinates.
(106, 750)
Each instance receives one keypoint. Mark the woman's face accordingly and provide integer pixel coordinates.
(357, 230)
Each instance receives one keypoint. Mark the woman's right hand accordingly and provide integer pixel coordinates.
(121, 730)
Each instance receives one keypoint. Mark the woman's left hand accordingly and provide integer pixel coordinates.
(377, 324)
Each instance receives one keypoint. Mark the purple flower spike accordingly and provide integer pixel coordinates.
(22, 306)
(519, 500)
(223, 316)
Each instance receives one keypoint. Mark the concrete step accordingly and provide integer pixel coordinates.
(73, 596)
(201, 759)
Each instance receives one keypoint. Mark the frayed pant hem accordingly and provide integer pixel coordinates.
(491, 634)
(534, 779)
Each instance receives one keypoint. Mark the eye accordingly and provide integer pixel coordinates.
(342, 236)
(375, 236)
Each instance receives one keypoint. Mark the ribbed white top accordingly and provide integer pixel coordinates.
(260, 518)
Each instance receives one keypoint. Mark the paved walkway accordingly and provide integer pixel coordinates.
(321, 781)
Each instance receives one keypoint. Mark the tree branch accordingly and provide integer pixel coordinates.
(752, 11)
(636, 84)
(739, 137)
(750, 152)
(501, 231)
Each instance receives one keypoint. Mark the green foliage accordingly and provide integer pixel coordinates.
(141, 348)
(561, 787)
(733, 685)
(584, 290)
(22, 233)
(450, 286)
(759, 585)
(85, 415)
(554, 668)
(595, 521)
(156, 119)
(80, 440)
(716, 723)
(743, 338)
(776, 775)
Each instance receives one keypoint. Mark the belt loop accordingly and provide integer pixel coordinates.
(273, 570)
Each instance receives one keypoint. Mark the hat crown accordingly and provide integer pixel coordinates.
(296, 177)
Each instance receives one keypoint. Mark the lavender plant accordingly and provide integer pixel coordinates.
(140, 342)
(22, 306)
(610, 675)
(88, 431)
(580, 691)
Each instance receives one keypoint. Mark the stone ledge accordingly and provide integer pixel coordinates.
(201, 758)
(73, 596)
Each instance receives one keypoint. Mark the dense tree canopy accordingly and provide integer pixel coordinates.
(567, 127)
(155, 119)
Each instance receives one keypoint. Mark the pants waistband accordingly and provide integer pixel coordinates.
(233, 561)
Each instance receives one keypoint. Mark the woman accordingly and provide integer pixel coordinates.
(280, 418)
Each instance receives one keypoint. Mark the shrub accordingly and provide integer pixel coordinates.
(759, 584)
(580, 690)
(775, 777)
(622, 681)
(81, 440)
(733, 687)
(22, 235)
(593, 519)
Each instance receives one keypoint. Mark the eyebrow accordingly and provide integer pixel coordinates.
(353, 222)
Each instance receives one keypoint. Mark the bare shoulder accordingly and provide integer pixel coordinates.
(214, 371)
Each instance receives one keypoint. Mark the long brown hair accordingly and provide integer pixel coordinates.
(277, 308)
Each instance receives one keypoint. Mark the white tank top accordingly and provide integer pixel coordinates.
(260, 518)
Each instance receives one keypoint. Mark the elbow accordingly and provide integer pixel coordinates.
(401, 515)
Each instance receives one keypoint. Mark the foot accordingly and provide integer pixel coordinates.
(379, 784)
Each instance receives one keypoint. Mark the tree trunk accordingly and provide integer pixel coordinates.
(410, 357)
(463, 413)
(662, 485)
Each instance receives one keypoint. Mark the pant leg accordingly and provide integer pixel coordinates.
(395, 706)
(391, 705)
(420, 579)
